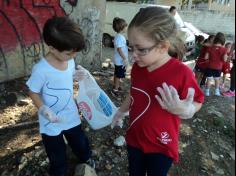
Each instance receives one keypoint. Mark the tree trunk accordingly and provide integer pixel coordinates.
(209, 4)
(190, 2)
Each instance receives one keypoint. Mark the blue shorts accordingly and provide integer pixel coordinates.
(213, 73)
(120, 71)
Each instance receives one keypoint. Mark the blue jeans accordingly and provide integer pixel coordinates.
(154, 164)
(56, 149)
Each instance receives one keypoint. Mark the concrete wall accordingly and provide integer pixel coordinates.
(21, 23)
(211, 22)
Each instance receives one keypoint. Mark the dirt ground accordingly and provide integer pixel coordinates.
(207, 141)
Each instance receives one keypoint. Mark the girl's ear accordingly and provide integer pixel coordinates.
(165, 46)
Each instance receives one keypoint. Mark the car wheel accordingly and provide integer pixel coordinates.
(107, 40)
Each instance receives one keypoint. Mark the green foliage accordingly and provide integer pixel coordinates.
(199, 1)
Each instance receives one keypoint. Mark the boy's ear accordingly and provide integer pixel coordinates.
(51, 48)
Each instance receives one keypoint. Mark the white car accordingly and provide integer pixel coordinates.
(127, 11)
(195, 30)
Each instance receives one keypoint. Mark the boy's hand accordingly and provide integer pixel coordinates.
(169, 100)
(126, 64)
(80, 74)
(118, 119)
(48, 114)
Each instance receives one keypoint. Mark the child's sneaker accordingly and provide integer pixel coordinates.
(229, 93)
(207, 92)
(91, 163)
(217, 92)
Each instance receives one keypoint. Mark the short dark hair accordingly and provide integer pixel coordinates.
(172, 8)
(228, 43)
(219, 38)
(211, 37)
(200, 39)
(119, 24)
(63, 34)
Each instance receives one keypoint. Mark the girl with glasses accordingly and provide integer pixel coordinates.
(163, 91)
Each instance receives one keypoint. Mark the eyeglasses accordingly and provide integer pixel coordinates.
(142, 51)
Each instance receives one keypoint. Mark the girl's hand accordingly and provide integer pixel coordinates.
(169, 100)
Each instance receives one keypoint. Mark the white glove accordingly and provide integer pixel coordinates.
(118, 119)
(170, 101)
(48, 114)
(80, 74)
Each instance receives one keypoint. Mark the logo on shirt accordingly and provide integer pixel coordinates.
(165, 138)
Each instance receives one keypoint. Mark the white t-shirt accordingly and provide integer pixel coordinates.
(120, 42)
(56, 90)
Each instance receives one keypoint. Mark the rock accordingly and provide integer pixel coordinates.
(22, 100)
(105, 65)
(84, 170)
(220, 172)
(212, 110)
(214, 156)
(232, 154)
(120, 141)
(108, 166)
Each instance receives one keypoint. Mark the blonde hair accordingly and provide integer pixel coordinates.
(161, 27)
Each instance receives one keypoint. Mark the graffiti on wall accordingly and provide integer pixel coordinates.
(90, 21)
(21, 23)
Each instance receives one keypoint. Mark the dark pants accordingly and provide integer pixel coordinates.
(56, 149)
(232, 78)
(154, 164)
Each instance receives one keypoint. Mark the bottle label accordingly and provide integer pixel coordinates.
(105, 104)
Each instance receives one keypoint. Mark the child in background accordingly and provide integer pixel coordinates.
(120, 54)
(231, 91)
(207, 43)
(201, 63)
(216, 54)
(161, 93)
(51, 89)
(226, 65)
(198, 46)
